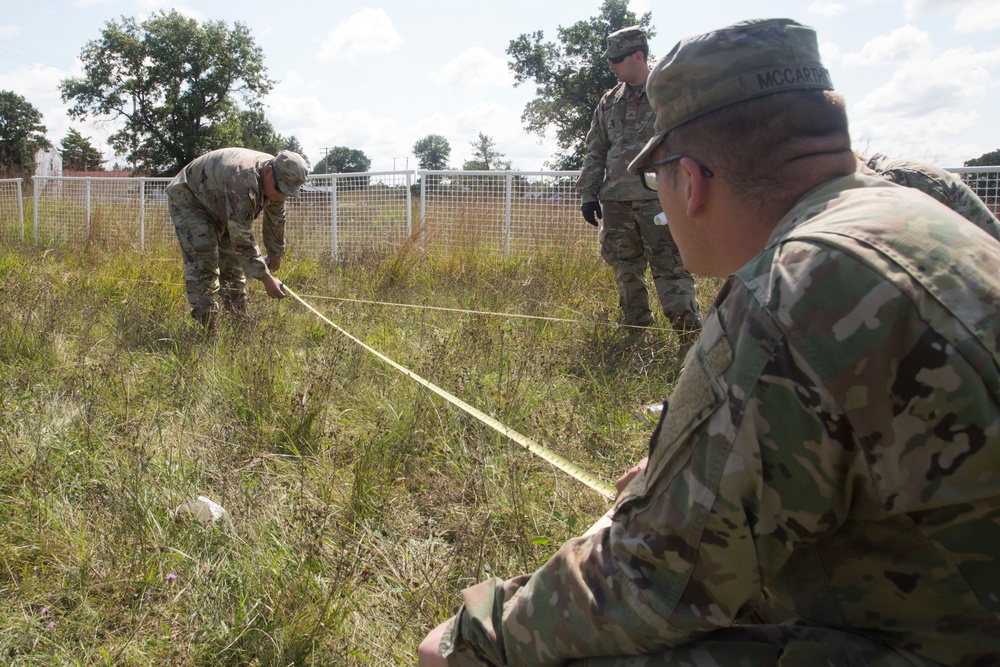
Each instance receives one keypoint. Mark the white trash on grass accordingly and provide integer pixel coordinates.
(203, 509)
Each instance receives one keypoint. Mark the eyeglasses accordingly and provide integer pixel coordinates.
(647, 174)
(620, 59)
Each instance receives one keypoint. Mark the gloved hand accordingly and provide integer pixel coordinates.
(591, 209)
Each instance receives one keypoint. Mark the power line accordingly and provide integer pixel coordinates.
(15, 52)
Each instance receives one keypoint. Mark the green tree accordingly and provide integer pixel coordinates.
(292, 144)
(485, 156)
(432, 152)
(257, 133)
(570, 77)
(78, 154)
(21, 132)
(175, 85)
(343, 160)
(990, 159)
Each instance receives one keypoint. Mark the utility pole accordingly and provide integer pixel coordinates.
(326, 154)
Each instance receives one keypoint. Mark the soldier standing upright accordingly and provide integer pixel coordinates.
(213, 202)
(631, 235)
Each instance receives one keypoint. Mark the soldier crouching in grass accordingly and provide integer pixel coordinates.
(825, 487)
(213, 202)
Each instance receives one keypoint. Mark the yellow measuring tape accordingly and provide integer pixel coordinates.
(538, 450)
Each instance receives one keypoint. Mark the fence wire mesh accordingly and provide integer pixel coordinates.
(105, 211)
(509, 212)
(345, 216)
(11, 211)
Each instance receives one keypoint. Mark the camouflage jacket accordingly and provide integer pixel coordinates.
(227, 183)
(943, 185)
(833, 445)
(622, 124)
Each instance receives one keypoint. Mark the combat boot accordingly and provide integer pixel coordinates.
(208, 319)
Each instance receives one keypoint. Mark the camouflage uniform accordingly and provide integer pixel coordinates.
(825, 486)
(943, 185)
(213, 202)
(622, 123)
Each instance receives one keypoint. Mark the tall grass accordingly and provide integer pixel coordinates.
(360, 503)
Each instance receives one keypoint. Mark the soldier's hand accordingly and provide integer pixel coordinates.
(273, 263)
(632, 472)
(591, 212)
(273, 287)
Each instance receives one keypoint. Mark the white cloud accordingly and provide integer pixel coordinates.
(366, 31)
(917, 7)
(979, 16)
(829, 52)
(952, 79)
(474, 69)
(932, 138)
(154, 6)
(9, 31)
(294, 109)
(900, 44)
(826, 8)
(39, 85)
(89, 3)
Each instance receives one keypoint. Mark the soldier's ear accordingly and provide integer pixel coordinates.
(695, 186)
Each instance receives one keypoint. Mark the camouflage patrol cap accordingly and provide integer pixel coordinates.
(625, 41)
(708, 72)
(290, 171)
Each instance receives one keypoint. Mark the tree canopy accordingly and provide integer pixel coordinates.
(21, 132)
(256, 132)
(175, 84)
(990, 159)
(292, 144)
(343, 160)
(570, 76)
(78, 154)
(432, 152)
(485, 156)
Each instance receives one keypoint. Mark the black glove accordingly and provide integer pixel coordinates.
(591, 209)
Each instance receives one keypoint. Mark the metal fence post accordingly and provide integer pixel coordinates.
(142, 214)
(409, 204)
(333, 218)
(20, 206)
(34, 189)
(87, 181)
(423, 203)
(509, 180)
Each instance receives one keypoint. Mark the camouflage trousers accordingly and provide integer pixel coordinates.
(771, 646)
(211, 267)
(631, 241)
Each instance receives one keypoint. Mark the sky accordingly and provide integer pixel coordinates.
(921, 77)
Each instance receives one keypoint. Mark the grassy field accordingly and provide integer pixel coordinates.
(360, 503)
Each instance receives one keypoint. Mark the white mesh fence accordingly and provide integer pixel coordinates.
(11, 211)
(106, 211)
(505, 212)
(341, 216)
(344, 216)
